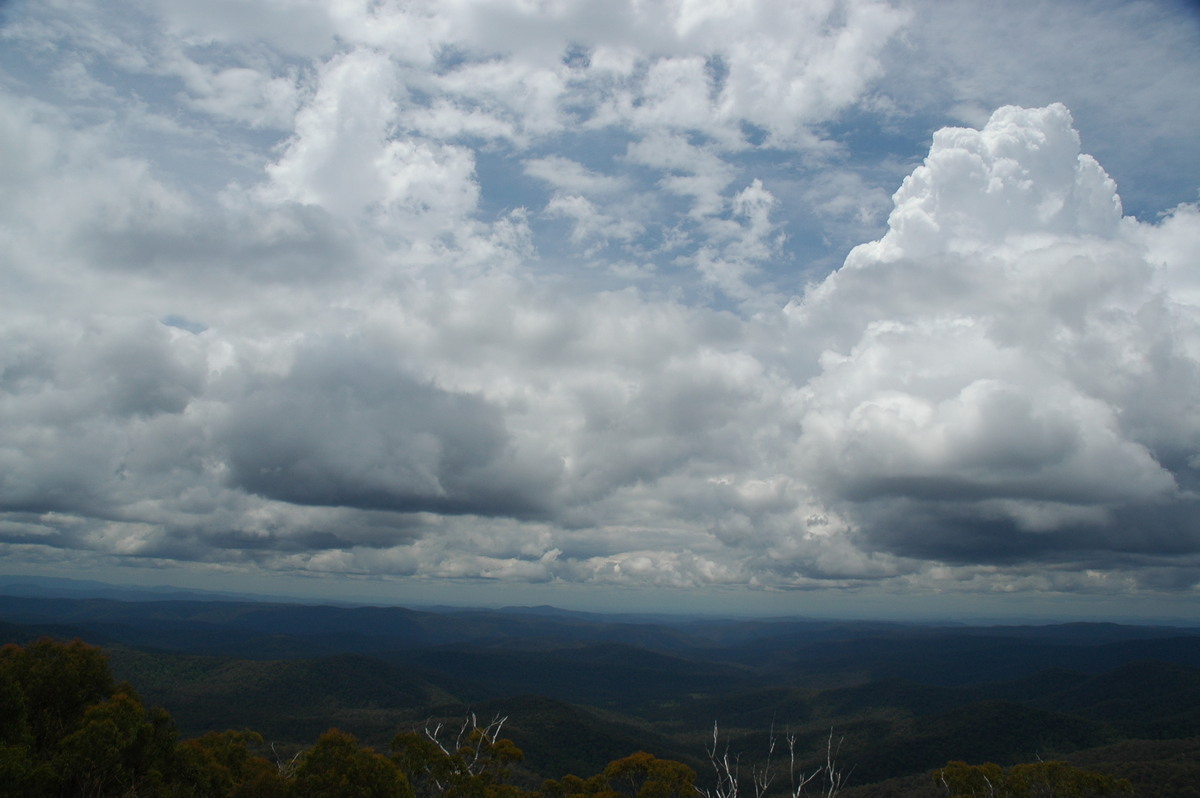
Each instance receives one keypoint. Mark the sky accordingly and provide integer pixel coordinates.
(870, 307)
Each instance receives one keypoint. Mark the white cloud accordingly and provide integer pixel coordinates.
(1021, 175)
(298, 27)
(952, 54)
(1173, 244)
(779, 83)
(572, 176)
(979, 358)
(345, 159)
(589, 222)
(243, 94)
(579, 190)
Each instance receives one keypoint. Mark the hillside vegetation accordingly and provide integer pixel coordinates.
(581, 692)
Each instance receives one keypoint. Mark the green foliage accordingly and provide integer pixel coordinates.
(67, 728)
(291, 701)
(639, 775)
(120, 748)
(70, 731)
(1158, 768)
(48, 686)
(558, 737)
(1030, 780)
(337, 767)
(475, 764)
(222, 764)
(998, 731)
(574, 787)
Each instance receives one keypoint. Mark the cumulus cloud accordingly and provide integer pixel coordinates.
(93, 410)
(342, 157)
(958, 59)
(500, 291)
(343, 428)
(981, 394)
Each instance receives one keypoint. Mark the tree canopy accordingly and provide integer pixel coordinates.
(69, 729)
(1030, 780)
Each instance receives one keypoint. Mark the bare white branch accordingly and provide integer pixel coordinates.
(726, 769)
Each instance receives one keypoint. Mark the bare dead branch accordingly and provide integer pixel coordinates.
(726, 769)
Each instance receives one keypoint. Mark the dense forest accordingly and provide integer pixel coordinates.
(198, 697)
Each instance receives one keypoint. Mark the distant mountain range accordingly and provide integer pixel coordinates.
(59, 587)
(582, 689)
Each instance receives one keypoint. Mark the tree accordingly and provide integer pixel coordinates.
(337, 767)
(1030, 780)
(221, 764)
(572, 786)
(642, 775)
(639, 775)
(70, 730)
(120, 748)
(763, 775)
(55, 683)
(475, 762)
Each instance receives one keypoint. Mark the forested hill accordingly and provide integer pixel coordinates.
(582, 690)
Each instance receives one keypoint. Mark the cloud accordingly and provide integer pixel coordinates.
(343, 159)
(1021, 174)
(343, 429)
(243, 94)
(978, 399)
(93, 411)
(501, 290)
(572, 176)
(589, 221)
(301, 28)
(951, 55)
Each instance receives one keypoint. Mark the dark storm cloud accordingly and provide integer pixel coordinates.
(343, 530)
(967, 533)
(144, 376)
(345, 427)
(84, 405)
(210, 249)
(118, 367)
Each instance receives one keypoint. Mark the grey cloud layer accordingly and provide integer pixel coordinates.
(266, 306)
(345, 428)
